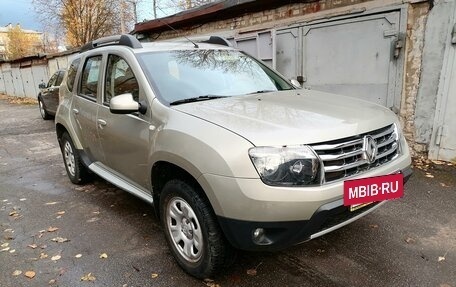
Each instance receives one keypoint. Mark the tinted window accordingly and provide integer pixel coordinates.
(59, 78)
(89, 79)
(119, 79)
(72, 74)
(52, 80)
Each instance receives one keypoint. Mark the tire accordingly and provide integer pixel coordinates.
(192, 231)
(75, 169)
(44, 114)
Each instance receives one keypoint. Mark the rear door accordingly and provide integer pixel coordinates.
(85, 107)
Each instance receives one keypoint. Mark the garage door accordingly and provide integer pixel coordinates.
(358, 57)
(443, 141)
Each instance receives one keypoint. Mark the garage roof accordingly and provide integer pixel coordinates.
(219, 10)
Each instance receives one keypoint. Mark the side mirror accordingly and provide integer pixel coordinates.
(124, 104)
(42, 86)
(295, 83)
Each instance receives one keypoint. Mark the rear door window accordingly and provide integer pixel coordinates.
(89, 79)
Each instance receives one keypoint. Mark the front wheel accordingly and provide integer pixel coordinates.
(192, 231)
(75, 169)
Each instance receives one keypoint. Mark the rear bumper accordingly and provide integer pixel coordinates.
(280, 235)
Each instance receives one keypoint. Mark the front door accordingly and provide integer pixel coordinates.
(124, 138)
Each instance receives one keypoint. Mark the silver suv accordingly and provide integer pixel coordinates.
(230, 154)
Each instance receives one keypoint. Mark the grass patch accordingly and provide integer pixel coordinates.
(19, 100)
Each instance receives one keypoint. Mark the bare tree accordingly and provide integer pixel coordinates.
(86, 20)
(188, 4)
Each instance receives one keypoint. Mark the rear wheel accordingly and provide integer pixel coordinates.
(44, 114)
(192, 231)
(76, 170)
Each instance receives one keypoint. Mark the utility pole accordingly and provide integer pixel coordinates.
(154, 4)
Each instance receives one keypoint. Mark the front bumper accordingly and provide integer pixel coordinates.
(280, 235)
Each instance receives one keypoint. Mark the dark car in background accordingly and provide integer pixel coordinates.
(48, 97)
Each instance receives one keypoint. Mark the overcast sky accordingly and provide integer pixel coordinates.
(21, 11)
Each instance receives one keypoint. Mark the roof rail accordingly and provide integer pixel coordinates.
(123, 40)
(218, 41)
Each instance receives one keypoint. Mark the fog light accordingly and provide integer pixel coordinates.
(258, 233)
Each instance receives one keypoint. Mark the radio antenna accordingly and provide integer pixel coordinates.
(188, 39)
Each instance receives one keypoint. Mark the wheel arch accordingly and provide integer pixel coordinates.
(164, 170)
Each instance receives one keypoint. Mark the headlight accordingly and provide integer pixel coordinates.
(297, 165)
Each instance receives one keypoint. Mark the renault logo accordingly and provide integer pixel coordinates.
(369, 149)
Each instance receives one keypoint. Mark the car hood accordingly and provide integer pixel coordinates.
(291, 117)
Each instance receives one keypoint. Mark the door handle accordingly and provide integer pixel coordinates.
(101, 122)
(75, 111)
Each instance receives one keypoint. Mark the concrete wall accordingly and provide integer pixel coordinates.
(416, 23)
(21, 78)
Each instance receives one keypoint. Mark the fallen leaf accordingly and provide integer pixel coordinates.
(154, 275)
(252, 272)
(17, 272)
(52, 229)
(78, 255)
(96, 212)
(12, 251)
(8, 230)
(210, 283)
(23, 199)
(4, 200)
(4, 244)
(443, 184)
(441, 258)
(60, 212)
(4, 249)
(51, 203)
(56, 257)
(13, 213)
(373, 225)
(43, 255)
(30, 274)
(321, 251)
(60, 239)
(88, 277)
(429, 175)
(33, 246)
(410, 240)
(103, 255)
(43, 246)
(52, 281)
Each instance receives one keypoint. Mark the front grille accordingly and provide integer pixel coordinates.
(345, 158)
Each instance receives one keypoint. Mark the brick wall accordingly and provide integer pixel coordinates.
(286, 12)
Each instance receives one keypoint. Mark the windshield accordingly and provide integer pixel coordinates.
(208, 74)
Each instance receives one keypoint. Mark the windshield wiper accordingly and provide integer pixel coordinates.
(196, 99)
(261, 92)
